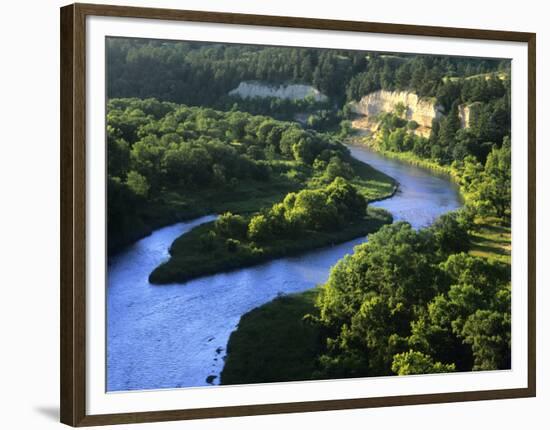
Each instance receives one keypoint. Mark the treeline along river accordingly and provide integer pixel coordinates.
(175, 335)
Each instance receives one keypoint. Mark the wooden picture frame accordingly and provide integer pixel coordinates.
(73, 213)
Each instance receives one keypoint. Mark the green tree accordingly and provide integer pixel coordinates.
(496, 187)
(348, 202)
(118, 155)
(450, 234)
(372, 295)
(489, 334)
(310, 210)
(417, 363)
(400, 109)
(447, 133)
(137, 183)
(259, 229)
(338, 168)
(231, 226)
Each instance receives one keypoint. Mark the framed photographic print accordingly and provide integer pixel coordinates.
(267, 214)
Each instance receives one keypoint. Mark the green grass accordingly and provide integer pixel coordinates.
(371, 183)
(273, 343)
(500, 75)
(244, 198)
(491, 239)
(189, 258)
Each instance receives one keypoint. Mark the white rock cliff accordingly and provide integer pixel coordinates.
(465, 113)
(422, 111)
(283, 91)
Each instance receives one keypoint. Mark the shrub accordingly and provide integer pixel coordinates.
(417, 363)
(231, 226)
(259, 229)
(451, 235)
(338, 168)
(232, 245)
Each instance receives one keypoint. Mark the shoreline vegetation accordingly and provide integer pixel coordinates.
(170, 163)
(283, 319)
(407, 157)
(405, 302)
(490, 236)
(311, 218)
(190, 259)
(293, 321)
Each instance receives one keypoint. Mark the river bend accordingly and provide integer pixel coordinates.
(175, 335)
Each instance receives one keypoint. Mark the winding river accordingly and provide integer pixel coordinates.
(175, 335)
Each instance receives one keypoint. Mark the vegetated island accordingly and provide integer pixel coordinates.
(303, 221)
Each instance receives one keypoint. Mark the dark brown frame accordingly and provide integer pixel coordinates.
(73, 213)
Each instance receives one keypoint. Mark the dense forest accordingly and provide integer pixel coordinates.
(407, 301)
(460, 319)
(168, 162)
(379, 321)
(202, 74)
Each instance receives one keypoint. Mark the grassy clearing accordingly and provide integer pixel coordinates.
(491, 239)
(190, 259)
(274, 343)
(371, 183)
(244, 198)
(500, 75)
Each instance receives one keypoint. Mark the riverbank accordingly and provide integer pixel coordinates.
(269, 331)
(279, 341)
(258, 353)
(173, 207)
(247, 198)
(204, 312)
(409, 158)
(489, 238)
(190, 259)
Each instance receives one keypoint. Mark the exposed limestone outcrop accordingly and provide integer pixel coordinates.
(253, 89)
(467, 112)
(464, 115)
(422, 111)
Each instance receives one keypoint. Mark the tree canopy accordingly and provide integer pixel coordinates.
(406, 302)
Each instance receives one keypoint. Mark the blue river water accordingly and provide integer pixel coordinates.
(175, 335)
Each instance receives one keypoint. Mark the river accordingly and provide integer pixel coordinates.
(175, 335)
